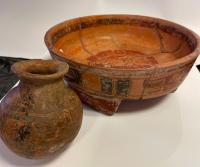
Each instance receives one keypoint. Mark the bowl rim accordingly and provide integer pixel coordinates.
(183, 60)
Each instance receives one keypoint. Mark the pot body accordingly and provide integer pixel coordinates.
(38, 119)
(95, 72)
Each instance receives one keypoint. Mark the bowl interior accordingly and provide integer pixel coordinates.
(122, 45)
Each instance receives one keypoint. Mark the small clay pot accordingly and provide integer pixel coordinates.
(40, 116)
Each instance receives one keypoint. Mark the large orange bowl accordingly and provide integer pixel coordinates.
(117, 57)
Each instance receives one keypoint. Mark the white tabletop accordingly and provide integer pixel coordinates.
(153, 133)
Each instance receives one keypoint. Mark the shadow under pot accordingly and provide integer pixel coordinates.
(40, 116)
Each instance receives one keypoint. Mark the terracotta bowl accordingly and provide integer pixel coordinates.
(118, 57)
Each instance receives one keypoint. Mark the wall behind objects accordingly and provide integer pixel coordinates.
(23, 23)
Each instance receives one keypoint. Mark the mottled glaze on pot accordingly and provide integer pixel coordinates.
(40, 116)
(118, 57)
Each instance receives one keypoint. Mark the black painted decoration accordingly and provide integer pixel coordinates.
(106, 85)
(122, 87)
(73, 75)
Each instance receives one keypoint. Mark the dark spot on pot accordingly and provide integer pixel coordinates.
(23, 132)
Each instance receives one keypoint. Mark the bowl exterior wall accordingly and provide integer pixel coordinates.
(104, 88)
(126, 84)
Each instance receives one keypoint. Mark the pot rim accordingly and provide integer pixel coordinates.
(183, 60)
(39, 69)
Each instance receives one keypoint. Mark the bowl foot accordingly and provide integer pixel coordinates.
(104, 105)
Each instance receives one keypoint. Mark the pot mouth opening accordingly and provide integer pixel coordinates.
(40, 69)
